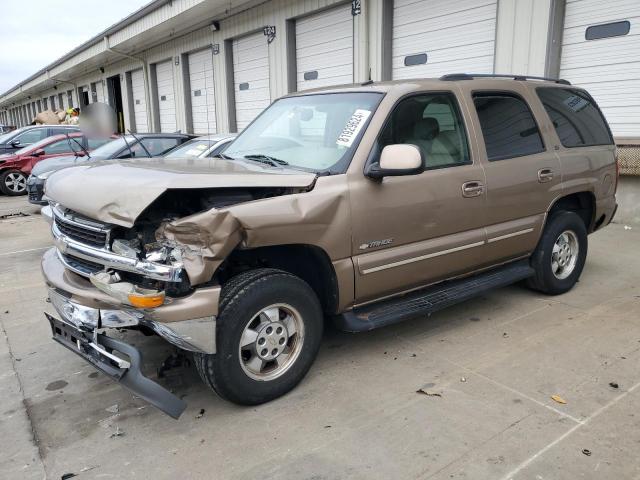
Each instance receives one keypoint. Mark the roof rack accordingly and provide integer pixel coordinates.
(471, 76)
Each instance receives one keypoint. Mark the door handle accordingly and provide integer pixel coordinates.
(472, 189)
(545, 175)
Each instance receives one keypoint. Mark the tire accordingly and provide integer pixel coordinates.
(13, 183)
(557, 271)
(250, 303)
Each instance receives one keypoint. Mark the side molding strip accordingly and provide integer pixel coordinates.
(509, 235)
(421, 257)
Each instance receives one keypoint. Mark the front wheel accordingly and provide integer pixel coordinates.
(268, 333)
(13, 182)
(561, 253)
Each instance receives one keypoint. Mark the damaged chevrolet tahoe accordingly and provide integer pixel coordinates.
(366, 204)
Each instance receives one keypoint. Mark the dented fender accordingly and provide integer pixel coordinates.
(208, 237)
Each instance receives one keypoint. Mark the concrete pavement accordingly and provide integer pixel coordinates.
(491, 365)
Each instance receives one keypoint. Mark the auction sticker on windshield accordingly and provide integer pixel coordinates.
(352, 128)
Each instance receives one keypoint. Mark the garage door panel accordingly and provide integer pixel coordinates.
(609, 68)
(410, 11)
(166, 97)
(139, 101)
(250, 69)
(203, 104)
(589, 12)
(324, 48)
(456, 36)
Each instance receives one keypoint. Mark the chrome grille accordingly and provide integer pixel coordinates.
(81, 266)
(82, 230)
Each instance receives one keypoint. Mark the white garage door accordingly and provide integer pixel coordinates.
(324, 48)
(203, 101)
(250, 77)
(139, 102)
(435, 37)
(607, 65)
(166, 97)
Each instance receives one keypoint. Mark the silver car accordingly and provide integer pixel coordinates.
(201, 147)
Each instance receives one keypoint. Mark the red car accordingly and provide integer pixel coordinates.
(15, 167)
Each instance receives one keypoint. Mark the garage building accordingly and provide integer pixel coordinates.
(208, 66)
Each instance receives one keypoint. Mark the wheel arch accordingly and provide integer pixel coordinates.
(308, 262)
(582, 203)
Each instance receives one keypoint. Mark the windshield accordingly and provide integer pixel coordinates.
(192, 148)
(313, 132)
(108, 150)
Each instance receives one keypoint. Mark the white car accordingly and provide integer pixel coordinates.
(201, 147)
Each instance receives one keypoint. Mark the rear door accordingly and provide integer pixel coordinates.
(522, 170)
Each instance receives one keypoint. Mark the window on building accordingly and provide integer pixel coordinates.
(508, 127)
(607, 30)
(433, 123)
(575, 116)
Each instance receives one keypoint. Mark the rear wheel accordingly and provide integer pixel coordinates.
(268, 333)
(13, 182)
(561, 253)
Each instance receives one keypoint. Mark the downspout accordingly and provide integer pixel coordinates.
(145, 75)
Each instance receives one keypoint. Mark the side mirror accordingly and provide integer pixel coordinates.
(396, 161)
(38, 153)
(15, 143)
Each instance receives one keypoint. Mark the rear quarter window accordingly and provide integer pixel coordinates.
(575, 116)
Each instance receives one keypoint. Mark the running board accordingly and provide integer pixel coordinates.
(427, 301)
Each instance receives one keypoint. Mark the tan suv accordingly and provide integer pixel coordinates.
(367, 204)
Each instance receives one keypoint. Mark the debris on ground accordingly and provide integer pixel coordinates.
(175, 360)
(627, 227)
(425, 390)
(463, 379)
(87, 469)
(65, 476)
(113, 408)
(201, 414)
(14, 215)
(614, 385)
(117, 433)
(505, 335)
(558, 399)
(327, 426)
(586, 451)
(413, 355)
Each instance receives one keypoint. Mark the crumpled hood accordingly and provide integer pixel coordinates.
(57, 163)
(118, 191)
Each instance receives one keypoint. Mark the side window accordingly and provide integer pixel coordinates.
(508, 126)
(32, 136)
(575, 116)
(159, 146)
(94, 143)
(433, 123)
(61, 146)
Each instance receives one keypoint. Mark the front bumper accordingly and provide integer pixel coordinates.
(188, 322)
(35, 190)
(98, 349)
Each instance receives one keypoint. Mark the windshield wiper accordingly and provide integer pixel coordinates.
(223, 156)
(276, 162)
(86, 152)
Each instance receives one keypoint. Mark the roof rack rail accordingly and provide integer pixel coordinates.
(471, 76)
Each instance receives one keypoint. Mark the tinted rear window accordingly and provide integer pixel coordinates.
(575, 116)
(508, 126)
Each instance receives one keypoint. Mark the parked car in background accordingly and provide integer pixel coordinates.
(16, 167)
(25, 136)
(6, 128)
(201, 147)
(142, 145)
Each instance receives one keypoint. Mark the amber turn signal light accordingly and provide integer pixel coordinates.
(146, 301)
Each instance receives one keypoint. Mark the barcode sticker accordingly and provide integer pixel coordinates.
(352, 128)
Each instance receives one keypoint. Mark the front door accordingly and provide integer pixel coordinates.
(414, 230)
